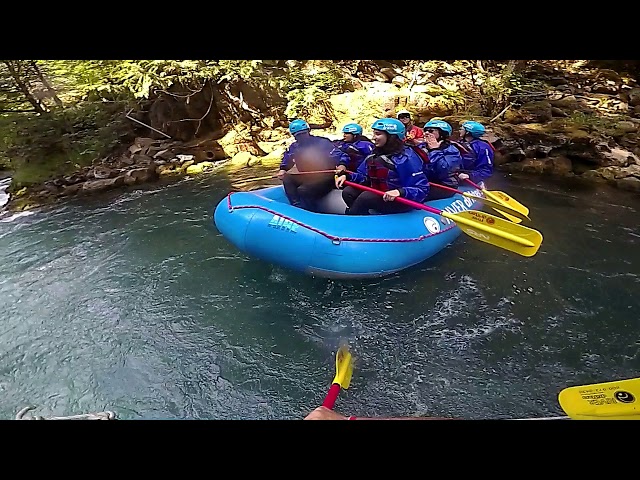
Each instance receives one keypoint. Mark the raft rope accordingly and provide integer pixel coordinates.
(106, 415)
(333, 238)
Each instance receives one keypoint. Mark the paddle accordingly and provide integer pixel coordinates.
(267, 177)
(257, 179)
(501, 198)
(344, 371)
(514, 215)
(481, 226)
(603, 401)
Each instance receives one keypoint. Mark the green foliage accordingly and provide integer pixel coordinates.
(309, 103)
(310, 88)
(37, 147)
(141, 79)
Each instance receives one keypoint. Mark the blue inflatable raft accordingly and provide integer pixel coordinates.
(262, 224)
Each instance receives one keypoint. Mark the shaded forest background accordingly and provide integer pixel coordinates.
(59, 116)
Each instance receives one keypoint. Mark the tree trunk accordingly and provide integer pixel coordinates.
(23, 86)
(41, 77)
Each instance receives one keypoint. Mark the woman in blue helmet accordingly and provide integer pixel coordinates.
(392, 167)
(355, 145)
(477, 164)
(309, 153)
(444, 158)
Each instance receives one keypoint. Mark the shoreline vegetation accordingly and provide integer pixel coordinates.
(77, 127)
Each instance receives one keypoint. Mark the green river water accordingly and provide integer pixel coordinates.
(133, 302)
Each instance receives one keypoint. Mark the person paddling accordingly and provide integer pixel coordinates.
(477, 163)
(309, 153)
(444, 159)
(392, 167)
(413, 134)
(355, 145)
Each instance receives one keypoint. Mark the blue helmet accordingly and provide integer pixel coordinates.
(474, 129)
(352, 128)
(441, 124)
(298, 126)
(390, 125)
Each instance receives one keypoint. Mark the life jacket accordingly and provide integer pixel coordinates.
(463, 149)
(421, 153)
(355, 156)
(468, 154)
(425, 156)
(378, 168)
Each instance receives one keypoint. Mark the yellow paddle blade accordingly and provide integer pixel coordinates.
(603, 401)
(496, 231)
(506, 200)
(514, 216)
(508, 216)
(344, 367)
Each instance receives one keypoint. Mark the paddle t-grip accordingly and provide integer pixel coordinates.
(330, 399)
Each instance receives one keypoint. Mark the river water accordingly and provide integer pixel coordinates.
(133, 302)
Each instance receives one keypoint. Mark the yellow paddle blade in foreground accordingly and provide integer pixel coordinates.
(603, 401)
(344, 367)
(497, 231)
(506, 200)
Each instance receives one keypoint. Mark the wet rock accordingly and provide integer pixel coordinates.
(166, 170)
(555, 81)
(608, 173)
(100, 173)
(631, 170)
(626, 127)
(140, 175)
(629, 183)
(104, 184)
(633, 96)
(199, 168)
(139, 159)
(533, 166)
(51, 188)
(73, 179)
(389, 73)
(71, 189)
(618, 157)
(185, 165)
(165, 154)
(560, 166)
(558, 112)
(241, 159)
(605, 88)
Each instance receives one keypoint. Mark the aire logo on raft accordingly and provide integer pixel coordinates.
(283, 224)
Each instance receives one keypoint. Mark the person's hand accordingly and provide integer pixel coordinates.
(391, 195)
(340, 180)
(462, 176)
(281, 174)
(340, 168)
(323, 413)
(431, 140)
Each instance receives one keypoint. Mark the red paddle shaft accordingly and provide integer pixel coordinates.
(330, 399)
(397, 199)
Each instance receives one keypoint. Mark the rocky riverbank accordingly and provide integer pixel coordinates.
(577, 122)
